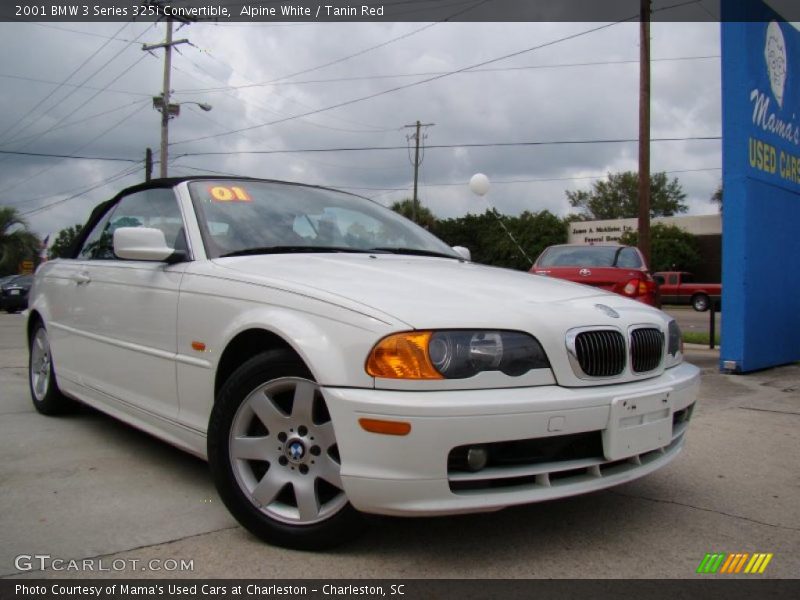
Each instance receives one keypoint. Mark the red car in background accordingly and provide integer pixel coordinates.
(615, 268)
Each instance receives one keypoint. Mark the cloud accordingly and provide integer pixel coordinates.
(537, 101)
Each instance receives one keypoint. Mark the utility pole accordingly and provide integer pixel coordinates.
(161, 103)
(415, 136)
(148, 164)
(644, 130)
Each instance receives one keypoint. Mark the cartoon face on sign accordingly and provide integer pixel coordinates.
(775, 55)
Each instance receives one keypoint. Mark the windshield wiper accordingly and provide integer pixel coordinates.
(415, 252)
(291, 250)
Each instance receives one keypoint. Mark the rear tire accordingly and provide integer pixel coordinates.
(273, 455)
(47, 398)
(700, 302)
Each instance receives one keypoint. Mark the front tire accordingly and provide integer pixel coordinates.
(700, 302)
(274, 458)
(47, 398)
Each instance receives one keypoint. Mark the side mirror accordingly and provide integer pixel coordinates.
(463, 252)
(144, 243)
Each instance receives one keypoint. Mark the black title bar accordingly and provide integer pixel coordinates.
(706, 587)
(262, 11)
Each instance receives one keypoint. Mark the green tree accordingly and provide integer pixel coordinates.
(64, 240)
(17, 242)
(618, 197)
(489, 242)
(425, 217)
(671, 248)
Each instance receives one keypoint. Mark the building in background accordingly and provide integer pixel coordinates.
(707, 228)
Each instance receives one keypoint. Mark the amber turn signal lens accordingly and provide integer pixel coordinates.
(403, 356)
(385, 427)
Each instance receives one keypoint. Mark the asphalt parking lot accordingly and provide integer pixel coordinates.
(85, 486)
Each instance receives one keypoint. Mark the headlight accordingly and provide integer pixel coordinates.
(454, 354)
(674, 344)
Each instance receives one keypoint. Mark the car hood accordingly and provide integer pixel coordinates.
(422, 292)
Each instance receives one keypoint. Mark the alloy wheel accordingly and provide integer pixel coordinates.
(283, 452)
(40, 365)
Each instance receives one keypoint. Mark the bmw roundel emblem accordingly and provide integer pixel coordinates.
(296, 450)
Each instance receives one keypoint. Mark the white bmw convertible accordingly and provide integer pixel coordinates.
(330, 358)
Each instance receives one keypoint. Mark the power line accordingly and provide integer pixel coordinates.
(85, 103)
(113, 38)
(519, 181)
(428, 73)
(120, 175)
(439, 146)
(72, 85)
(89, 118)
(365, 148)
(94, 139)
(72, 156)
(205, 115)
(348, 57)
(410, 85)
(50, 95)
(446, 183)
(372, 128)
(381, 45)
(260, 106)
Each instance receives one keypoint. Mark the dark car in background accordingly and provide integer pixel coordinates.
(14, 293)
(612, 267)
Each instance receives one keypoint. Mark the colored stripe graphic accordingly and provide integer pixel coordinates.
(758, 563)
(711, 563)
(724, 563)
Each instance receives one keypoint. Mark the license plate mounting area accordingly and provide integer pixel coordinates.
(638, 424)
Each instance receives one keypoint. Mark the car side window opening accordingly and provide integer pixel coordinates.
(629, 259)
(95, 245)
(673, 279)
(156, 208)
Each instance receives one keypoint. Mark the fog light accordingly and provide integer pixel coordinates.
(477, 457)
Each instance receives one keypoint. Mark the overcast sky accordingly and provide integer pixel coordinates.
(561, 92)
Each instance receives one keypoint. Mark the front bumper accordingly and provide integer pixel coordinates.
(409, 475)
(19, 302)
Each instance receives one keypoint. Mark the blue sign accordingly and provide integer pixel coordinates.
(761, 187)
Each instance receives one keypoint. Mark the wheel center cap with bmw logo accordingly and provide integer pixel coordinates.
(295, 451)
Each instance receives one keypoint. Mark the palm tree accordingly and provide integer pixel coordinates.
(17, 242)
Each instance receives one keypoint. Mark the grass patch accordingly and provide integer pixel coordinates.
(699, 337)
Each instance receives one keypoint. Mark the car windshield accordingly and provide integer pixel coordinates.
(591, 256)
(258, 217)
(18, 280)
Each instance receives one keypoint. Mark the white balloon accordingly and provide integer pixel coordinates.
(479, 184)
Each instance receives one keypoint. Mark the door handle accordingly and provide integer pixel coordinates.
(81, 278)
